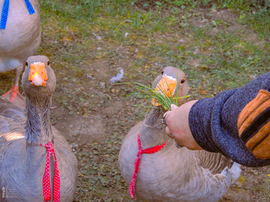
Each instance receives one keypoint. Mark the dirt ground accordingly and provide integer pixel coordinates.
(116, 115)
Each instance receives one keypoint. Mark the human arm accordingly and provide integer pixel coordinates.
(214, 124)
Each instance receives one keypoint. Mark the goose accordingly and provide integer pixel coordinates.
(34, 157)
(171, 173)
(20, 36)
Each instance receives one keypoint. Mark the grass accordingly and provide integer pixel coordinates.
(160, 97)
(220, 45)
(144, 28)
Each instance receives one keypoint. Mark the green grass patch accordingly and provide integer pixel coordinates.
(147, 92)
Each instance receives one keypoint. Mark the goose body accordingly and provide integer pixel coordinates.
(172, 174)
(20, 38)
(23, 160)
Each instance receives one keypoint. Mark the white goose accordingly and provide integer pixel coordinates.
(20, 36)
(173, 174)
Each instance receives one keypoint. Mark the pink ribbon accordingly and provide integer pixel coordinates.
(46, 176)
(150, 150)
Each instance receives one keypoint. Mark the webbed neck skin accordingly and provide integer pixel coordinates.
(38, 124)
(152, 132)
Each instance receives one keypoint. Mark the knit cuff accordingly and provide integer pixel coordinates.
(200, 124)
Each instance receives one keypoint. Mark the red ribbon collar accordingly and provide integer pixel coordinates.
(46, 176)
(150, 150)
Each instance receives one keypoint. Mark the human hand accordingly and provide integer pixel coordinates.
(177, 126)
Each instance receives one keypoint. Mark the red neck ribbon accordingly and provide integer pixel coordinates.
(46, 176)
(150, 150)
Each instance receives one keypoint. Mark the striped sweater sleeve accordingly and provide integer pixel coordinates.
(214, 122)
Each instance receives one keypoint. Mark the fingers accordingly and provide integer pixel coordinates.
(163, 120)
(167, 131)
(173, 107)
(164, 115)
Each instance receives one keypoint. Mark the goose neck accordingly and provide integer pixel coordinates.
(153, 131)
(38, 124)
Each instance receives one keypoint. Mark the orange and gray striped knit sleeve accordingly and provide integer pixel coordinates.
(254, 125)
(236, 123)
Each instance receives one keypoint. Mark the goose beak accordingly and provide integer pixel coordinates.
(166, 86)
(38, 75)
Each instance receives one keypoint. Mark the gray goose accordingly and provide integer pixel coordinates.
(22, 157)
(173, 174)
(19, 39)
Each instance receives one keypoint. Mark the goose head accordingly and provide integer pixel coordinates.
(171, 82)
(38, 79)
(38, 83)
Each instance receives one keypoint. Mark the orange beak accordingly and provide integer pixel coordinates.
(166, 86)
(38, 75)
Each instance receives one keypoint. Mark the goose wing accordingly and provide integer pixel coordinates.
(11, 111)
(12, 119)
(215, 162)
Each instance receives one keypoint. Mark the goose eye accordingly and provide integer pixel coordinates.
(182, 81)
(162, 72)
(26, 63)
(48, 62)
